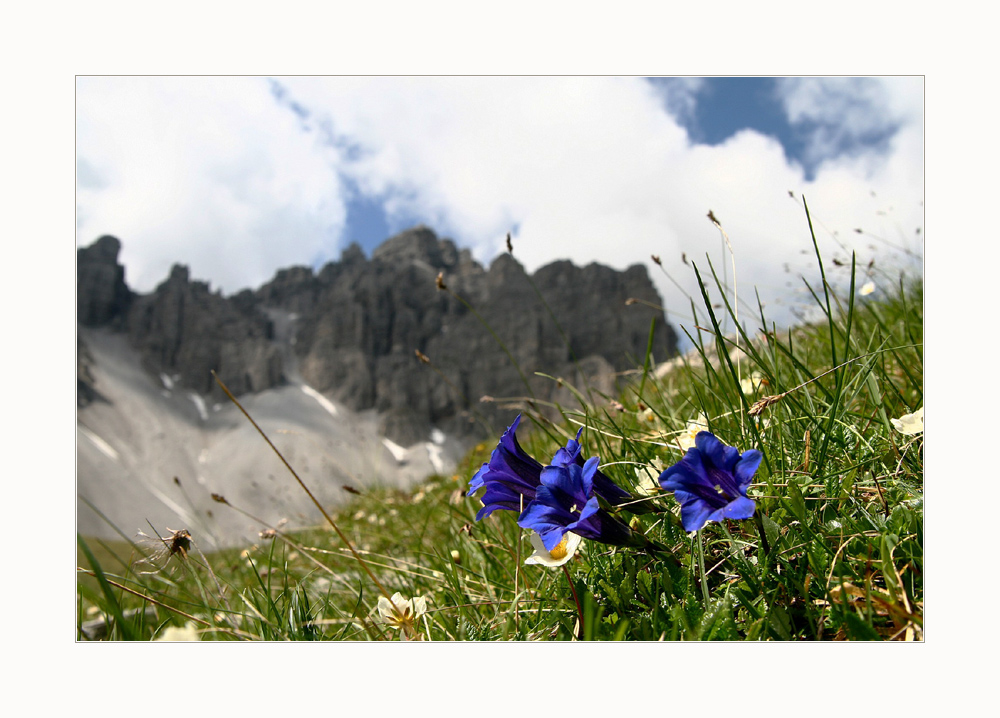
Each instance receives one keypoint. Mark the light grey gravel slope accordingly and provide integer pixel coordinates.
(154, 452)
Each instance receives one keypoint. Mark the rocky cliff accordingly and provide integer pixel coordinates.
(355, 329)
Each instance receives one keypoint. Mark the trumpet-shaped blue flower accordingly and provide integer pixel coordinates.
(565, 502)
(511, 474)
(711, 482)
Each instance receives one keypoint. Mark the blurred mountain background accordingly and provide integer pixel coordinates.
(364, 372)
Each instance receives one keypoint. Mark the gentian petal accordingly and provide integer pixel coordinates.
(710, 482)
(565, 480)
(500, 496)
(613, 493)
(549, 522)
(477, 481)
(589, 509)
(689, 474)
(568, 454)
(587, 474)
(604, 486)
(739, 508)
(695, 514)
(746, 467)
(720, 455)
(509, 475)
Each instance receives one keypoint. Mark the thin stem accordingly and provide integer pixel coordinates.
(763, 534)
(579, 608)
(517, 572)
(701, 567)
(305, 488)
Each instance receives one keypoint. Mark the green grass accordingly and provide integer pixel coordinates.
(834, 552)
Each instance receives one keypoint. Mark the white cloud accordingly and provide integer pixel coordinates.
(208, 172)
(590, 169)
(841, 112)
(680, 95)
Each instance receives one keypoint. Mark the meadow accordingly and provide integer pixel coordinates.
(767, 485)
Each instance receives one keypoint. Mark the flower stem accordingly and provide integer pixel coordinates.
(579, 608)
(701, 567)
(763, 534)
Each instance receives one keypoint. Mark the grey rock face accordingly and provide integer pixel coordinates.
(359, 324)
(85, 381)
(183, 329)
(101, 294)
(486, 335)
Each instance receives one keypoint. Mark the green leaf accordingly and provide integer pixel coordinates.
(846, 485)
(796, 501)
(771, 530)
(860, 630)
(718, 621)
(645, 582)
(889, 542)
(610, 592)
(780, 624)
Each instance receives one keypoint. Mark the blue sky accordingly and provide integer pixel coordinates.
(720, 108)
(240, 176)
(725, 105)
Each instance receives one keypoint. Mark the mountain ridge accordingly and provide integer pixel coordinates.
(357, 324)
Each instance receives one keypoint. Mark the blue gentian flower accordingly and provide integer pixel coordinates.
(711, 482)
(511, 474)
(565, 502)
(603, 486)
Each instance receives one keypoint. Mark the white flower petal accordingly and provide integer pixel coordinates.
(752, 384)
(173, 633)
(910, 424)
(645, 478)
(698, 424)
(385, 608)
(564, 551)
(866, 289)
(419, 606)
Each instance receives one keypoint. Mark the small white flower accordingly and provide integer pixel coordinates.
(910, 424)
(401, 612)
(866, 289)
(751, 385)
(645, 478)
(173, 633)
(686, 440)
(557, 556)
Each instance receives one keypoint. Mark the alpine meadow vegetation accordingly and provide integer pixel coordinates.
(766, 485)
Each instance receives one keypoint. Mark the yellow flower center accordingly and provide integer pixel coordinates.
(560, 550)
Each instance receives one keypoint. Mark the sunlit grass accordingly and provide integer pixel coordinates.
(834, 551)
